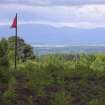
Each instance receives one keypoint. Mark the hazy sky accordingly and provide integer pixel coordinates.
(81, 14)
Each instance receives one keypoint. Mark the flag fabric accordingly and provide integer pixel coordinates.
(14, 24)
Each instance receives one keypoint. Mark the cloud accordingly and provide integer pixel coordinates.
(85, 16)
(54, 2)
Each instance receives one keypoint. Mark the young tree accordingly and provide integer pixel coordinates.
(4, 53)
(24, 50)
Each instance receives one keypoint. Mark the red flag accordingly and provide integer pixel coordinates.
(14, 24)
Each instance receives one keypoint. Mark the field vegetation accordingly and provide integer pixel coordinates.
(59, 79)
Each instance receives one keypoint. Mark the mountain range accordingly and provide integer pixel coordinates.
(46, 34)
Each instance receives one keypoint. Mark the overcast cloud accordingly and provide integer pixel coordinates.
(54, 2)
(62, 13)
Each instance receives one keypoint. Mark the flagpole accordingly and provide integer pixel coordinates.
(16, 44)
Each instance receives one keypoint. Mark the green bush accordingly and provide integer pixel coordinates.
(99, 65)
(12, 83)
(9, 97)
(61, 98)
(37, 75)
(97, 102)
(5, 74)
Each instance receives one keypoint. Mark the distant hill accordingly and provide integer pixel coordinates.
(45, 34)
